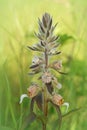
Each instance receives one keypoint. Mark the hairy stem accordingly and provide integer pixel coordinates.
(45, 104)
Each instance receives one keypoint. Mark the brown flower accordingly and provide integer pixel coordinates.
(57, 99)
(33, 90)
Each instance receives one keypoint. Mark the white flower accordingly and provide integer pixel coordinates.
(67, 106)
(22, 97)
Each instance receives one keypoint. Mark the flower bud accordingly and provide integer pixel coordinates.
(57, 99)
(36, 60)
(57, 64)
(56, 83)
(33, 90)
(46, 77)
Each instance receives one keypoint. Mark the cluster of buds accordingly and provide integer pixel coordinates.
(47, 46)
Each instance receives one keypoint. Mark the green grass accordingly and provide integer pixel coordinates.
(18, 21)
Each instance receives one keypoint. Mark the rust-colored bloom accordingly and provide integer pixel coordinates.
(46, 77)
(57, 99)
(33, 90)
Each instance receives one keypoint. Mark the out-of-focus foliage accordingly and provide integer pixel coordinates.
(18, 21)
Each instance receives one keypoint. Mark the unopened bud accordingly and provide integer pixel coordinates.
(57, 64)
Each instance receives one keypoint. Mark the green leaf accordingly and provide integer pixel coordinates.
(72, 111)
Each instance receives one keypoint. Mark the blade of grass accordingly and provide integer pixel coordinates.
(9, 101)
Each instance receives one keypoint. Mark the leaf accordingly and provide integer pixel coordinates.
(32, 104)
(41, 26)
(58, 71)
(62, 73)
(50, 23)
(44, 21)
(56, 53)
(72, 111)
(49, 87)
(38, 100)
(33, 66)
(54, 27)
(53, 39)
(39, 36)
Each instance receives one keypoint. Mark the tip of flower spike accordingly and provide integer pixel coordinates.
(22, 97)
(67, 106)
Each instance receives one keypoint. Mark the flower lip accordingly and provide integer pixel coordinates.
(22, 97)
(67, 106)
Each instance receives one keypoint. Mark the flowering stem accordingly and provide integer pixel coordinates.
(45, 104)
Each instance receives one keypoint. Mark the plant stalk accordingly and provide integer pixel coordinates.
(45, 104)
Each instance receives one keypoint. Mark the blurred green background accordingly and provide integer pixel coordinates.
(18, 21)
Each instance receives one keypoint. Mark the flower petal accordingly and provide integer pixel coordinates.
(22, 97)
(67, 106)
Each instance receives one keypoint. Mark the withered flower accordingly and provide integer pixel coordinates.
(57, 99)
(33, 90)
